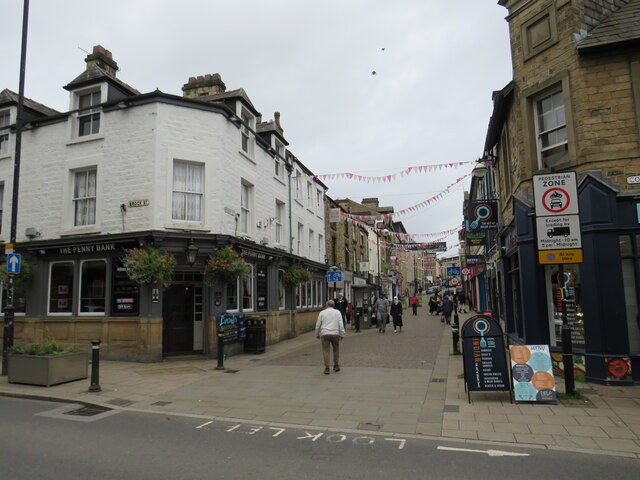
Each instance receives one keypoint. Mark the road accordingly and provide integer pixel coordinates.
(40, 440)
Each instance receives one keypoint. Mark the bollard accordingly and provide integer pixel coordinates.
(95, 366)
(220, 352)
(455, 333)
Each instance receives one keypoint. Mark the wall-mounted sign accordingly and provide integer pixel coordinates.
(138, 203)
(633, 179)
(482, 215)
(364, 266)
(453, 271)
(334, 215)
(532, 373)
(334, 276)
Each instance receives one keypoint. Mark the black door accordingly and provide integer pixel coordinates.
(177, 314)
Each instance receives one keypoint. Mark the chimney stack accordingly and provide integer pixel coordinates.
(371, 202)
(202, 85)
(103, 59)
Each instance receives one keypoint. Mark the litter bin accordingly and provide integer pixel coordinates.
(256, 335)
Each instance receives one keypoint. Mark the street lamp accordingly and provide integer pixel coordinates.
(191, 252)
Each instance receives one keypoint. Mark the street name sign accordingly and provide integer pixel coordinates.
(555, 194)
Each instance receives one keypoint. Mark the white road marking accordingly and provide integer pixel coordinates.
(401, 440)
(205, 424)
(491, 453)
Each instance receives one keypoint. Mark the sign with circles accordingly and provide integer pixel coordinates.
(532, 373)
(556, 194)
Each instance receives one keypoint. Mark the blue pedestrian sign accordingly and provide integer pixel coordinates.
(334, 276)
(13, 262)
(453, 271)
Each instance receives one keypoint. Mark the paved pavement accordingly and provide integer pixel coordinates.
(404, 384)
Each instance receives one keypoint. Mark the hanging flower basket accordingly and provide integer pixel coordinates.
(146, 265)
(226, 265)
(18, 278)
(295, 275)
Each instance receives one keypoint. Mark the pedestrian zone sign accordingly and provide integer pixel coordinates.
(555, 194)
(13, 263)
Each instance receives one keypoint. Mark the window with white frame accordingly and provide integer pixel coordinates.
(188, 191)
(4, 134)
(278, 160)
(247, 136)
(300, 233)
(298, 181)
(232, 295)
(320, 246)
(311, 248)
(93, 294)
(1, 204)
(280, 214)
(246, 206)
(551, 130)
(60, 288)
(309, 194)
(84, 197)
(247, 291)
(89, 113)
(319, 200)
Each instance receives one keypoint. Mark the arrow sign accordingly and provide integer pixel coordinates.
(491, 453)
(13, 263)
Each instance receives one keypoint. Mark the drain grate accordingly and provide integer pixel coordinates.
(438, 380)
(161, 403)
(88, 411)
(228, 370)
(369, 426)
(254, 360)
(119, 402)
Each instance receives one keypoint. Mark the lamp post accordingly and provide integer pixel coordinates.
(9, 309)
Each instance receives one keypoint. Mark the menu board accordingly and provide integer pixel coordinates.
(232, 326)
(532, 373)
(261, 288)
(125, 294)
(483, 352)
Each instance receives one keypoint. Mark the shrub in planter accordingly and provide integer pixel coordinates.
(46, 364)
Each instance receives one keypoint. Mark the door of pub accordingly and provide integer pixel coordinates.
(182, 313)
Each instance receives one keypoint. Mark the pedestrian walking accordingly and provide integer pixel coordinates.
(396, 314)
(433, 303)
(447, 308)
(330, 331)
(414, 304)
(382, 312)
(341, 306)
(461, 305)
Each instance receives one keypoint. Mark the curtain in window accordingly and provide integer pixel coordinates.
(187, 191)
(84, 195)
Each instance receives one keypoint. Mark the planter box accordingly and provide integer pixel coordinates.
(48, 370)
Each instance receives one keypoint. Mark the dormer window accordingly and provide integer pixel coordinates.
(247, 126)
(89, 113)
(4, 134)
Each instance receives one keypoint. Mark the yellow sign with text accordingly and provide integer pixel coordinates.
(570, 255)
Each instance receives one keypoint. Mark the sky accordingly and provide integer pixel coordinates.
(436, 64)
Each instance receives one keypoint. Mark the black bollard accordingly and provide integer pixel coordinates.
(455, 332)
(95, 366)
(220, 352)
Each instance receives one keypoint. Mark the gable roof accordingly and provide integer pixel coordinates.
(94, 73)
(9, 97)
(620, 29)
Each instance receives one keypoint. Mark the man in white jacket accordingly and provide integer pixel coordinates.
(330, 330)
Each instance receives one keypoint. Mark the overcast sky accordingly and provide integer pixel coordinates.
(428, 103)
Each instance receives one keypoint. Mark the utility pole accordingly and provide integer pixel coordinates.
(9, 309)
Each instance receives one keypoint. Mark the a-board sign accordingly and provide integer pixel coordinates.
(532, 373)
(484, 356)
(233, 327)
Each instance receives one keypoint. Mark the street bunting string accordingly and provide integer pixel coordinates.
(384, 178)
(406, 211)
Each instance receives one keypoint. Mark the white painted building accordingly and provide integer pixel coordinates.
(121, 169)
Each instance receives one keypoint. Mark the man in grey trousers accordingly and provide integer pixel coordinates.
(382, 312)
(330, 330)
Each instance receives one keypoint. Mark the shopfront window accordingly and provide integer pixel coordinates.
(630, 256)
(125, 294)
(247, 291)
(281, 291)
(61, 288)
(564, 294)
(93, 274)
(232, 295)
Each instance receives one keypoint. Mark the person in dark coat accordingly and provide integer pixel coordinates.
(341, 305)
(433, 303)
(396, 314)
(447, 308)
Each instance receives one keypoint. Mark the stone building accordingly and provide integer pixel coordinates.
(187, 174)
(573, 106)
